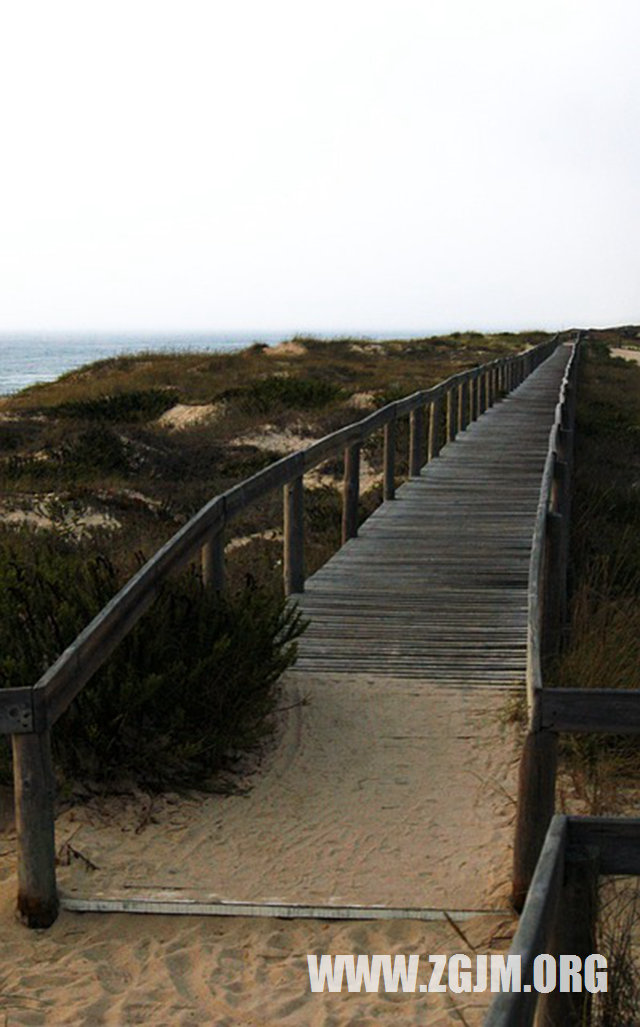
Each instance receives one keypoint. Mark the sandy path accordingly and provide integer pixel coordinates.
(420, 814)
(416, 814)
(171, 971)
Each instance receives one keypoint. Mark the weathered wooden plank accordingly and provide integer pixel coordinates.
(517, 1009)
(34, 789)
(293, 562)
(585, 710)
(16, 711)
(213, 571)
(617, 840)
(276, 475)
(351, 492)
(177, 902)
(389, 459)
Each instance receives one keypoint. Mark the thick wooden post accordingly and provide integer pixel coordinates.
(536, 802)
(554, 599)
(351, 492)
(461, 406)
(482, 393)
(389, 481)
(574, 933)
(416, 441)
(451, 416)
(293, 501)
(212, 560)
(34, 786)
(490, 388)
(473, 397)
(435, 417)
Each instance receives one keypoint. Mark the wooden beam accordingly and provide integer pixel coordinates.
(389, 486)
(535, 807)
(212, 558)
(614, 711)
(351, 492)
(617, 840)
(517, 1009)
(34, 790)
(16, 711)
(294, 537)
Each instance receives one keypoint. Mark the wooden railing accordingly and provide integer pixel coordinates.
(28, 714)
(559, 916)
(547, 606)
(552, 710)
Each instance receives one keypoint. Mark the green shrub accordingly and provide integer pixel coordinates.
(140, 405)
(192, 682)
(277, 393)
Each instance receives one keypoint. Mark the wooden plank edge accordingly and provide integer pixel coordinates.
(195, 907)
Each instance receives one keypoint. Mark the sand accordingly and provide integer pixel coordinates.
(419, 813)
(626, 354)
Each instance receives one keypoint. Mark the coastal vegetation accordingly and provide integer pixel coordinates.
(102, 466)
(603, 640)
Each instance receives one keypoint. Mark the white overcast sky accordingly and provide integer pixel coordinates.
(364, 165)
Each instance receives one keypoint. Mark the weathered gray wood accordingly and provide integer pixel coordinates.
(34, 788)
(435, 418)
(617, 840)
(517, 1009)
(172, 903)
(451, 415)
(389, 461)
(16, 711)
(294, 537)
(535, 807)
(416, 441)
(584, 710)
(462, 394)
(351, 492)
(554, 587)
(276, 475)
(574, 933)
(213, 572)
(330, 445)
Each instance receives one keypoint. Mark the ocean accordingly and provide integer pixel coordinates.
(27, 359)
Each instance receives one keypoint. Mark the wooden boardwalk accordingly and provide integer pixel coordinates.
(391, 790)
(435, 586)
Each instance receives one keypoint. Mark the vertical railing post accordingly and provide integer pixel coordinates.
(212, 562)
(416, 441)
(34, 787)
(473, 396)
(435, 417)
(351, 492)
(461, 406)
(293, 524)
(535, 807)
(451, 414)
(574, 932)
(389, 477)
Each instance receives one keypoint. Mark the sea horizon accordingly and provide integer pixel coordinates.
(29, 358)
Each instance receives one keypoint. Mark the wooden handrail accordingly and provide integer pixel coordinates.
(559, 916)
(546, 610)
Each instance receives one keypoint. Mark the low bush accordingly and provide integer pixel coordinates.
(276, 393)
(139, 405)
(191, 683)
